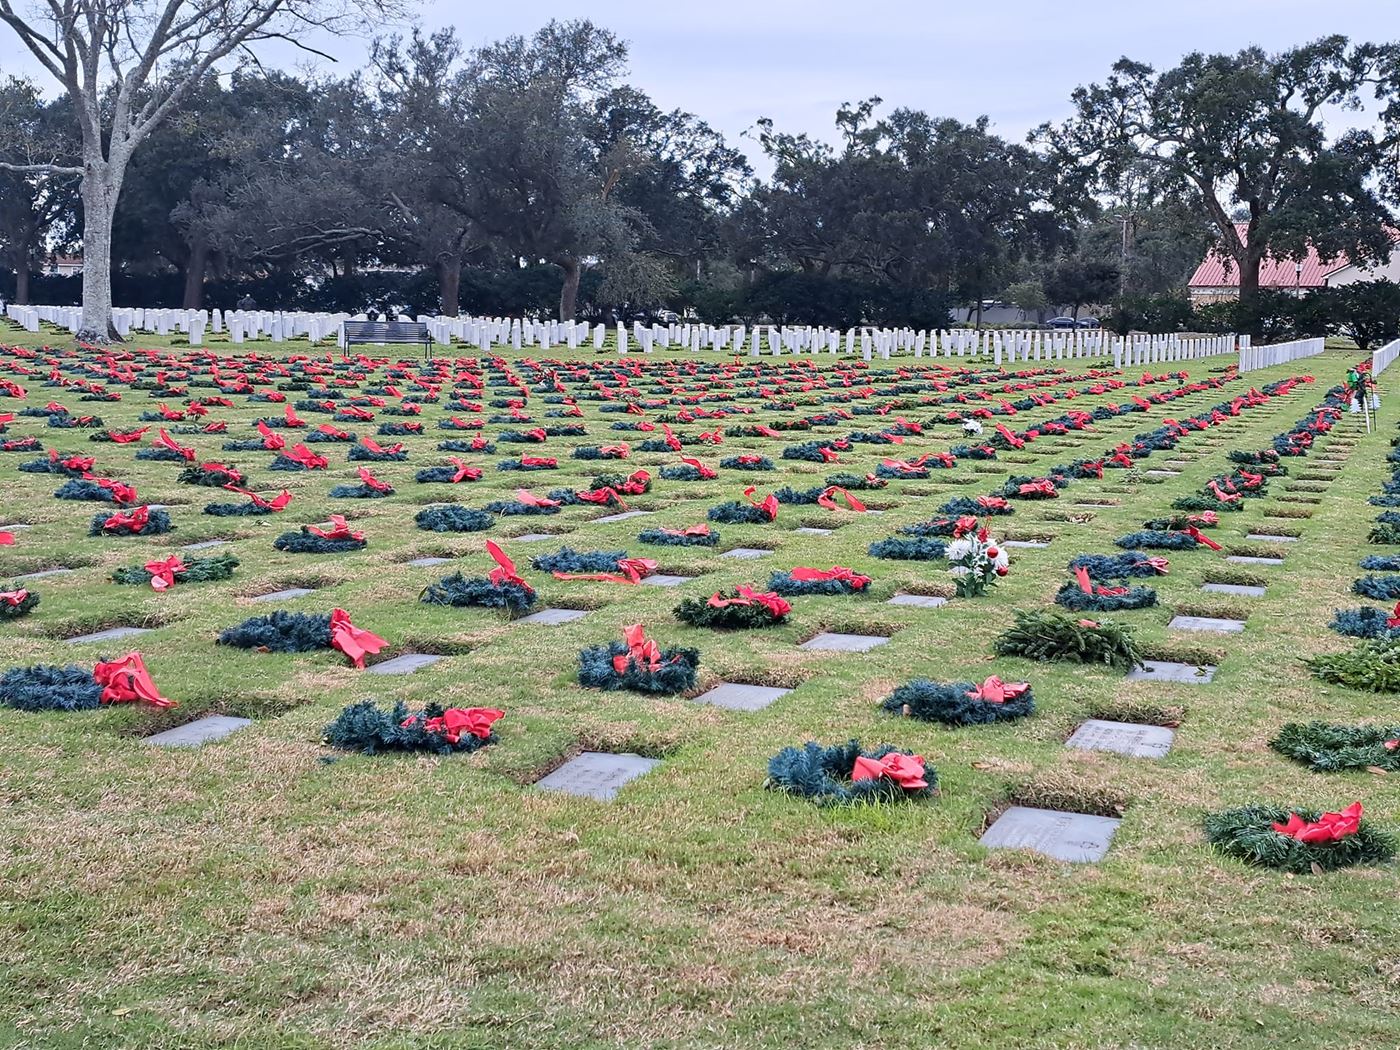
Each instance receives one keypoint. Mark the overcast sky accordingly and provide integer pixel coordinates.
(1016, 61)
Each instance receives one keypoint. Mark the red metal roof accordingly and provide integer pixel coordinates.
(1273, 273)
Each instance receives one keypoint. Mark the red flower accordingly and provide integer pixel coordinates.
(905, 770)
(1330, 827)
(126, 680)
(354, 642)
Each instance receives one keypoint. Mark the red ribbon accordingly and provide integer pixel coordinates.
(127, 437)
(13, 597)
(538, 461)
(374, 483)
(133, 522)
(292, 419)
(457, 722)
(354, 642)
(528, 498)
(689, 530)
(631, 571)
(163, 572)
(834, 492)
(642, 652)
(616, 451)
(706, 473)
(1200, 537)
(855, 580)
(769, 506)
(272, 441)
(164, 440)
(378, 449)
(992, 502)
(504, 572)
(339, 530)
(308, 459)
(464, 472)
(770, 600)
(994, 691)
(636, 483)
(126, 680)
(332, 431)
(1330, 827)
(905, 770)
(1043, 487)
(1159, 565)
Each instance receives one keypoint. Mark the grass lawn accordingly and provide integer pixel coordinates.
(267, 892)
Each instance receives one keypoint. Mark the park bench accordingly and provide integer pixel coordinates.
(376, 332)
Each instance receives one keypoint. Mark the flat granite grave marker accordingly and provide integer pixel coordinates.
(284, 595)
(835, 642)
(45, 574)
(737, 696)
(1075, 837)
(597, 774)
(623, 516)
(918, 601)
(1270, 537)
(808, 531)
(423, 563)
(1214, 624)
(1171, 671)
(1123, 738)
(1245, 559)
(1243, 590)
(200, 731)
(109, 635)
(662, 579)
(405, 664)
(537, 537)
(746, 553)
(554, 617)
(204, 545)
(1038, 544)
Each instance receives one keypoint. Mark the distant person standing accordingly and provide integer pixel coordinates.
(247, 303)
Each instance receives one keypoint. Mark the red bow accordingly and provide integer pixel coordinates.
(633, 571)
(82, 464)
(905, 770)
(642, 652)
(126, 680)
(164, 440)
(770, 600)
(332, 431)
(374, 483)
(339, 530)
(272, 441)
(163, 572)
(833, 492)
(689, 530)
(292, 419)
(1159, 565)
(992, 502)
(308, 459)
(133, 522)
(829, 455)
(706, 473)
(528, 498)
(456, 722)
(1200, 537)
(1011, 439)
(855, 580)
(994, 691)
(505, 568)
(464, 472)
(127, 437)
(277, 503)
(538, 461)
(1394, 619)
(636, 483)
(748, 459)
(605, 495)
(616, 451)
(965, 524)
(1330, 827)
(380, 450)
(769, 506)
(537, 434)
(672, 442)
(13, 597)
(354, 642)
(1043, 487)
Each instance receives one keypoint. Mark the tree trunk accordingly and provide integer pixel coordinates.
(1249, 279)
(568, 295)
(22, 284)
(194, 276)
(102, 184)
(449, 275)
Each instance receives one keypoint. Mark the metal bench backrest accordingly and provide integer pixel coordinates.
(386, 332)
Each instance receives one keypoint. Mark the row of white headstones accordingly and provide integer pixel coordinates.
(486, 333)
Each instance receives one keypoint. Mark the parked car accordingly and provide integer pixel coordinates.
(1089, 322)
(1062, 322)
